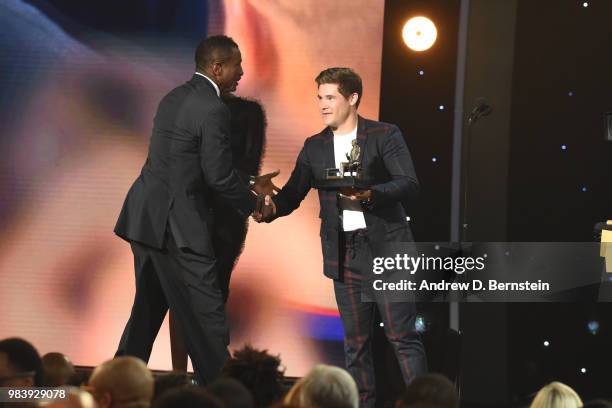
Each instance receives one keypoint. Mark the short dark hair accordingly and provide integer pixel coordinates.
(349, 82)
(431, 390)
(217, 48)
(170, 381)
(23, 357)
(259, 371)
(187, 397)
(231, 392)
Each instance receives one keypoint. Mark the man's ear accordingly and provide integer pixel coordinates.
(216, 69)
(104, 400)
(353, 99)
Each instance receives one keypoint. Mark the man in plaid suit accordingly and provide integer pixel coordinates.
(351, 220)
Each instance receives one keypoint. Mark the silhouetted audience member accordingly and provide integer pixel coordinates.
(556, 395)
(429, 391)
(259, 371)
(232, 393)
(167, 382)
(57, 369)
(20, 364)
(187, 397)
(76, 398)
(122, 382)
(324, 387)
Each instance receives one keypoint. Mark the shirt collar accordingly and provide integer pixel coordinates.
(212, 82)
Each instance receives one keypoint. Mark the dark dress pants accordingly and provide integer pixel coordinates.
(358, 320)
(187, 284)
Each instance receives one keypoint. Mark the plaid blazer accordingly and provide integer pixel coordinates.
(386, 164)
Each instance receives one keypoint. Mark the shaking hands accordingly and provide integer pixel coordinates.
(265, 189)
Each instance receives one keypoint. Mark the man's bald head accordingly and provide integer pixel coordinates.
(122, 382)
(57, 369)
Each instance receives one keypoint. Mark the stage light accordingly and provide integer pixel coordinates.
(382, 324)
(563, 147)
(407, 218)
(546, 343)
(441, 108)
(434, 159)
(584, 189)
(570, 93)
(419, 33)
(585, 4)
(421, 72)
(593, 327)
(420, 324)
(583, 370)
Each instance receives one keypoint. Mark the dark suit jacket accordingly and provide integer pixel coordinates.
(386, 163)
(189, 162)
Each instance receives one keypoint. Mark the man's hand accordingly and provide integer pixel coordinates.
(358, 195)
(266, 209)
(263, 184)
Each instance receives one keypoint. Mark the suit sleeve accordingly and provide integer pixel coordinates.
(216, 162)
(404, 184)
(296, 188)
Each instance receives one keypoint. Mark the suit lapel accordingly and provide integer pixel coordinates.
(328, 148)
(361, 137)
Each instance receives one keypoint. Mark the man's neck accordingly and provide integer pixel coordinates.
(210, 78)
(347, 126)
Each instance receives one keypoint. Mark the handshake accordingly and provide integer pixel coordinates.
(265, 189)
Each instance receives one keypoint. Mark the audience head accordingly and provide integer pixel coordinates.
(167, 382)
(259, 372)
(429, 391)
(57, 369)
(20, 364)
(556, 395)
(232, 393)
(324, 387)
(122, 382)
(76, 398)
(187, 397)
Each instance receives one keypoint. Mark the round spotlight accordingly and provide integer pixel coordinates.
(419, 33)
(546, 343)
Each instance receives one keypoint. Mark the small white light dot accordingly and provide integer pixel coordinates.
(485, 255)
(584, 189)
(585, 4)
(407, 218)
(563, 147)
(437, 247)
(507, 253)
(570, 93)
(434, 159)
(441, 107)
(583, 370)
(381, 324)
(546, 343)
(421, 72)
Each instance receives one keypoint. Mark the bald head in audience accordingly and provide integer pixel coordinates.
(122, 382)
(57, 369)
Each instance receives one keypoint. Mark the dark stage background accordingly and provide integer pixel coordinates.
(540, 169)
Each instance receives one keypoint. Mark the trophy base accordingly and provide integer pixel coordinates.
(339, 183)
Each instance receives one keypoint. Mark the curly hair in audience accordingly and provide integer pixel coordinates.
(259, 371)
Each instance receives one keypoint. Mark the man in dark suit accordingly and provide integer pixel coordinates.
(167, 216)
(351, 220)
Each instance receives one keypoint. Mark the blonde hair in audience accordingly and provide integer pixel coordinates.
(556, 395)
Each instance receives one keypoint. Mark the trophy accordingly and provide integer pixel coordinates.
(349, 170)
(347, 175)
